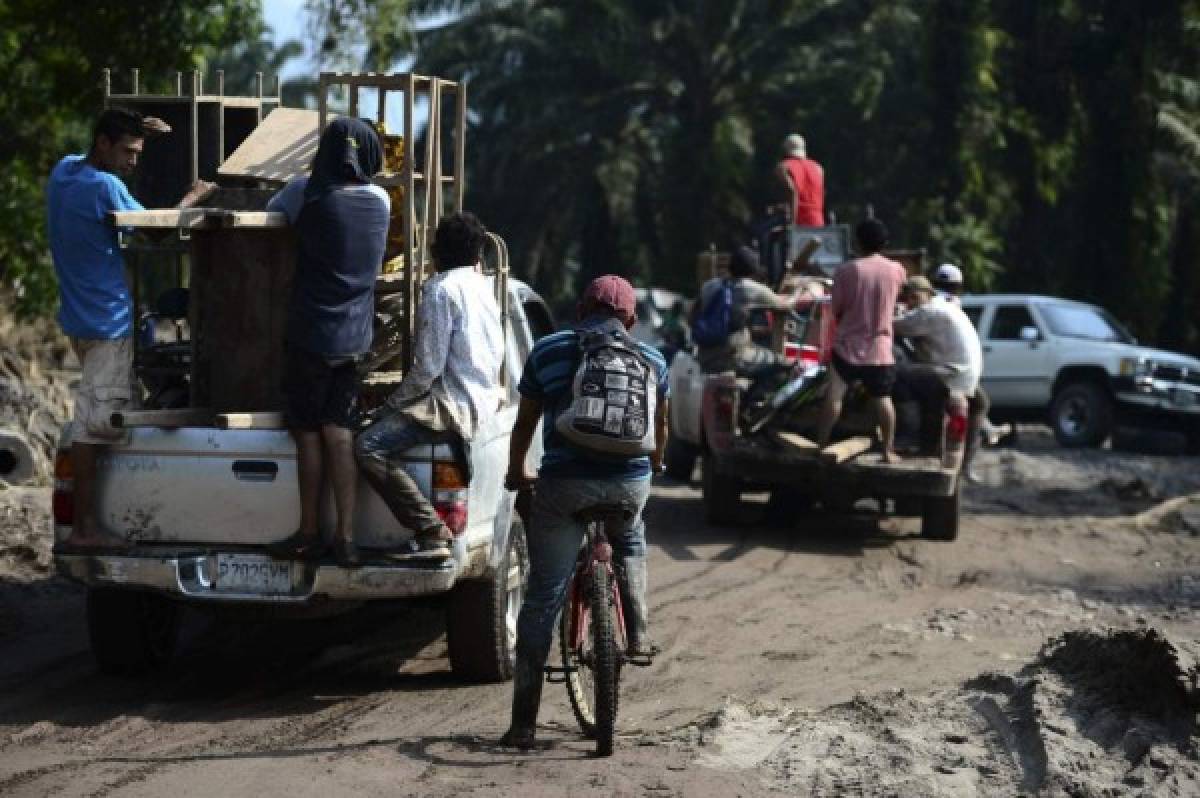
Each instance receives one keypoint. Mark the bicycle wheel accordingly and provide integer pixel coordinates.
(607, 665)
(593, 667)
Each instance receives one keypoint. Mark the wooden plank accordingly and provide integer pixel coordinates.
(842, 451)
(250, 421)
(280, 148)
(797, 442)
(175, 417)
(196, 219)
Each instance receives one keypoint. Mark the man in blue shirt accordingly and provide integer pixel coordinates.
(95, 309)
(571, 479)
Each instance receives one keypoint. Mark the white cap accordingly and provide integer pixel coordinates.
(793, 146)
(948, 273)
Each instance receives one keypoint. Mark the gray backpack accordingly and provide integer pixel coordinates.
(613, 396)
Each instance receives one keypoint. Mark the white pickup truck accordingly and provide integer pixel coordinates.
(1075, 366)
(196, 505)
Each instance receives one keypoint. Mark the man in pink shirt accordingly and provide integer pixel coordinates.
(864, 304)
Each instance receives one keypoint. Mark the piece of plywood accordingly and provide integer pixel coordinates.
(845, 450)
(280, 148)
(170, 418)
(196, 218)
(250, 421)
(797, 442)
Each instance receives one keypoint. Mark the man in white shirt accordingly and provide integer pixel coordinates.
(454, 382)
(948, 354)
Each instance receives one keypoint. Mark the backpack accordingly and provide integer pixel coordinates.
(712, 325)
(613, 396)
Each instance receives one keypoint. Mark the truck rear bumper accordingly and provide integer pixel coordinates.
(866, 475)
(188, 577)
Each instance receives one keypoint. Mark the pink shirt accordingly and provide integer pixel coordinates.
(864, 302)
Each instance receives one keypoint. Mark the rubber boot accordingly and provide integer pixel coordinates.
(527, 696)
(637, 610)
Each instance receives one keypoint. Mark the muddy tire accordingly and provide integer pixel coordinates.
(940, 514)
(680, 459)
(481, 619)
(1081, 415)
(722, 495)
(131, 632)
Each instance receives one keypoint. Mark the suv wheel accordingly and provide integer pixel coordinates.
(1081, 414)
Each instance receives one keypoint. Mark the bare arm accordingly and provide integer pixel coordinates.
(529, 411)
(196, 193)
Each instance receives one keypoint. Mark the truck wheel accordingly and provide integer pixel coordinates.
(1081, 415)
(481, 619)
(680, 459)
(131, 631)
(939, 515)
(722, 495)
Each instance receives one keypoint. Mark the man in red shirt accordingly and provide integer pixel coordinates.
(864, 304)
(805, 181)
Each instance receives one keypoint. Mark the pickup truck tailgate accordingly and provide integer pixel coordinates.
(200, 485)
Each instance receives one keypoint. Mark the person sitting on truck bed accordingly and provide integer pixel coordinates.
(454, 382)
(341, 219)
(95, 305)
(863, 304)
(571, 479)
(948, 363)
(739, 352)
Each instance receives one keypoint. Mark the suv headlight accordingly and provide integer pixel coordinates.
(1136, 367)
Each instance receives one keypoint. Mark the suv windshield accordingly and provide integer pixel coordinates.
(1081, 321)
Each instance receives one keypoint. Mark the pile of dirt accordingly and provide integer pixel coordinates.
(37, 369)
(1094, 714)
(25, 537)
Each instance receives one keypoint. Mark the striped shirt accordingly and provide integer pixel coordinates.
(547, 379)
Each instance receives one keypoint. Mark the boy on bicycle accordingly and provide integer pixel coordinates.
(570, 479)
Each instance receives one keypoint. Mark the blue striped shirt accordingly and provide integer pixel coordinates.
(547, 379)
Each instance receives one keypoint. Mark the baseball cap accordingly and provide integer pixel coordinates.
(793, 145)
(948, 273)
(916, 284)
(616, 293)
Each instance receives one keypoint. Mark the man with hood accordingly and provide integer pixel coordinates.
(341, 220)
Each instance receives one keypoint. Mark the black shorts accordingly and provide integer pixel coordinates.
(319, 390)
(878, 380)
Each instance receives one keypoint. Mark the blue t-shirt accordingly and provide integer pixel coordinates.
(547, 378)
(94, 300)
(342, 238)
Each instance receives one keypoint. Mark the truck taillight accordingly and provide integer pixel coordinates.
(62, 501)
(450, 495)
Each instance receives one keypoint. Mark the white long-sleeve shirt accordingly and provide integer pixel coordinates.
(459, 349)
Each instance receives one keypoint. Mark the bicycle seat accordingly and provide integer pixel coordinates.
(601, 512)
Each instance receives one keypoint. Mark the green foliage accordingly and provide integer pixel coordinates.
(52, 53)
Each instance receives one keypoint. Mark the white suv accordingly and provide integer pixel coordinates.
(1077, 365)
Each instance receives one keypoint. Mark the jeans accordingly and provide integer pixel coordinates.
(393, 434)
(919, 382)
(554, 539)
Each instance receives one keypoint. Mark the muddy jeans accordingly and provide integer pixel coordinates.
(377, 448)
(554, 539)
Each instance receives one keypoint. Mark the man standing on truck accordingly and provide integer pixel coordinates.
(571, 479)
(96, 310)
(341, 220)
(805, 182)
(454, 382)
(863, 304)
(733, 349)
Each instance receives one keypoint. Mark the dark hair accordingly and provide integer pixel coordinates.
(871, 235)
(117, 122)
(458, 240)
(743, 262)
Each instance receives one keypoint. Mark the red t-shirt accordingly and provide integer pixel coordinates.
(864, 303)
(809, 180)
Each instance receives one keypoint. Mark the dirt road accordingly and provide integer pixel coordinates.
(822, 656)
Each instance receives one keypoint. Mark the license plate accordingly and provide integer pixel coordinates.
(252, 573)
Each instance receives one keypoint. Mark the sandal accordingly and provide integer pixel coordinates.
(346, 553)
(436, 539)
(297, 546)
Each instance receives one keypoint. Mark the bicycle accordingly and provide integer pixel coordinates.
(592, 635)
